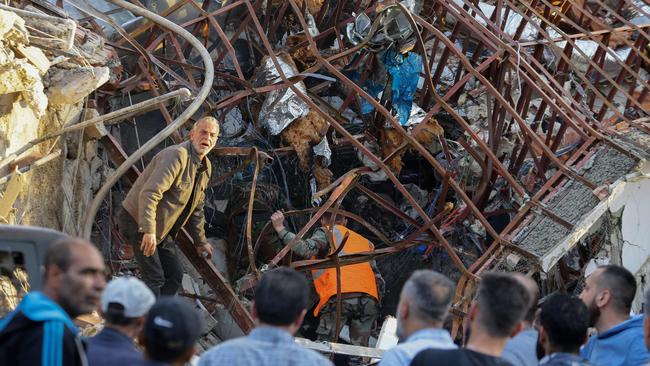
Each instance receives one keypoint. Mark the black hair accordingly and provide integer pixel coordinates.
(566, 321)
(59, 254)
(503, 301)
(621, 285)
(114, 315)
(280, 296)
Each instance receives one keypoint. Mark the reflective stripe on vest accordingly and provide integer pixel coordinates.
(354, 277)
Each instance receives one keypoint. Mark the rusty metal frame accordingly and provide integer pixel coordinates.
(506, 56)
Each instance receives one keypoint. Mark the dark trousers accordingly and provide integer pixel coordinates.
(162, 271)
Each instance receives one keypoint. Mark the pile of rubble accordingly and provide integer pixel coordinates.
(459, 135)
(47, 74)
(48, 69)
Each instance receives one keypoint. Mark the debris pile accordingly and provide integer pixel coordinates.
(49, 67)
(459, 135)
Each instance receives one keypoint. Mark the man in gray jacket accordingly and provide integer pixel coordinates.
(168, 195)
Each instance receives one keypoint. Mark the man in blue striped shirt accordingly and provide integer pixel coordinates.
(279, 309)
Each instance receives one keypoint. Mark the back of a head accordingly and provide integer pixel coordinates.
(430, 294)
(125, 300)
(281, 296)
(621, 285)
(171, 329)
(565, 320)
(502, 302)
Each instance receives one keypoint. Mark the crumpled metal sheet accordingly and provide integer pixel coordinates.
(417, 115)
(359, 29)
(282, 106)
(415, 6)
(323, 149)
(394, 29)
(378, 175)
(313, 188)
(311, 25)
(405, 73)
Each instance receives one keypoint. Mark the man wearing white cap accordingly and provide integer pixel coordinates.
(124, 305)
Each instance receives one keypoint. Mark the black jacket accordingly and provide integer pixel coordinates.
(38, 335)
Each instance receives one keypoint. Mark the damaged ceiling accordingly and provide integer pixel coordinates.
(461, 135)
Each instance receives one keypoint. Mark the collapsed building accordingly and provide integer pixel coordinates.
(457, 135)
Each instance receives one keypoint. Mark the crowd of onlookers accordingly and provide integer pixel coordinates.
(506, 324)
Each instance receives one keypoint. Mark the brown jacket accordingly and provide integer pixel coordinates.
(159, 195)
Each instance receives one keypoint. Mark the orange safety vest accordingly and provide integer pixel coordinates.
(354, 277)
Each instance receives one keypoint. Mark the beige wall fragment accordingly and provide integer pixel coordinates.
(35, 56)
(71, 86)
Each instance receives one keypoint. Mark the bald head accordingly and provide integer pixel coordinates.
(74, 275)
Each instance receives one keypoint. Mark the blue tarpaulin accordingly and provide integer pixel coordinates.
(405, 72)
(373, 89)
(370, 87)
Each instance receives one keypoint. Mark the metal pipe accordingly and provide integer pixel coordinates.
(172, 127)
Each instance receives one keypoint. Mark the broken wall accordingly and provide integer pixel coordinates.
(41, 91)
(614, 232)
(635, 232)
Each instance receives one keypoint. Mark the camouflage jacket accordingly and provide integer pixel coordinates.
(318, 246)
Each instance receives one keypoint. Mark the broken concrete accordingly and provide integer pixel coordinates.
(35, 56)
(452, 182)
(573, 201)
(71, 86)
(37, 98)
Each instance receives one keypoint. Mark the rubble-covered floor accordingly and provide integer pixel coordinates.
(457, 135)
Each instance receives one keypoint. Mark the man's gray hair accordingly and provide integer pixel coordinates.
(430, 294)
(207, 119)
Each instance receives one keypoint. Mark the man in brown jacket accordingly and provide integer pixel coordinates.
(169, 194)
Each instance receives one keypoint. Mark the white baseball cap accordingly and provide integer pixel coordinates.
(131, 293)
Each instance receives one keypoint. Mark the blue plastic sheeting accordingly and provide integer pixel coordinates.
(369, 86)
(374, 89)
(405, 72)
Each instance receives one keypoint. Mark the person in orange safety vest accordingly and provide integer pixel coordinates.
(361, 284)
